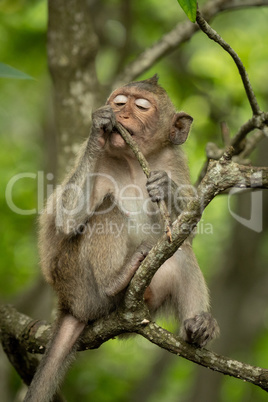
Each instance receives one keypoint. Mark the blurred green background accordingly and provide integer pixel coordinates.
(201, 80)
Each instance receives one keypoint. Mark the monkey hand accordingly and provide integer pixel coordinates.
(158, 185)
(103, 121)
(200, 329)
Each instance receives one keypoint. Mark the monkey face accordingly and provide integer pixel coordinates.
(137, 111)
(149, 116)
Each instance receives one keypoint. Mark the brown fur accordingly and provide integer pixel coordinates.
(94, 228)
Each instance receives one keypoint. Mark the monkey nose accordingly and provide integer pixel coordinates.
(124, 117)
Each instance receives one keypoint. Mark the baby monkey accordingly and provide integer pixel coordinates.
(96, 227)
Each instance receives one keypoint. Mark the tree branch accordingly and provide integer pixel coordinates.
(204, 357)
(238, 4)
(33, 335)
(213, 35)
(251, 144)
(221, 175)
(132, 315)
(260, 121)
(242, 149)
(182, 32)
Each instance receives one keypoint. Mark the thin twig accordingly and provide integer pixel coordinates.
(213, 35)
(165, 340)
(170, 42)
(225, 133)
(251, 143)
(146, 169)
(134, 147)
(260, 121)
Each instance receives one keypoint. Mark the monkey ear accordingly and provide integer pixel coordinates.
(181, 125)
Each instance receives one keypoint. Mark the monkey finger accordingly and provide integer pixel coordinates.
(156, 175)
(159, 184)
(104, 118)
(155, 197)
(156, 193)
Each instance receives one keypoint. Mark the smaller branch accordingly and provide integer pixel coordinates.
(225, 133)
(225, 173)
(15, 328)
(146, 169)
(221, 175)
(213, 151)
(238, 4)
(213, 35)
(159, 336)
(132, 316)
(182, 32)
(241, 148)
(33, 335)
(169, 42)
(134, 147)
(260, 121)
(251, 143)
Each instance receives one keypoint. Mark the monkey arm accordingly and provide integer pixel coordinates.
(72, 199)
(77, 198)
(122, 281)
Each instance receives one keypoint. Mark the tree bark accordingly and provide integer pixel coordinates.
(72, 51)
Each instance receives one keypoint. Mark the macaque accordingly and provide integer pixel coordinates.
(98, 227)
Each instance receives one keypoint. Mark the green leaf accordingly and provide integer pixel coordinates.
(10, 72)
(189, 7)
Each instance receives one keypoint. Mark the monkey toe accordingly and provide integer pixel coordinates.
(201, 329)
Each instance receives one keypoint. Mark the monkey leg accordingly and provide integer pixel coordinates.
(179, 282)
(128, 270)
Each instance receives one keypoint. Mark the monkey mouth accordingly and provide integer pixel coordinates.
(116, 140)
(115, 130)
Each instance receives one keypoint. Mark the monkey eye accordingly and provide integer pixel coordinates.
(120, 100)
(143, 103)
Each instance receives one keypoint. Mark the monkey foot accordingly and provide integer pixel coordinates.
(201, 329)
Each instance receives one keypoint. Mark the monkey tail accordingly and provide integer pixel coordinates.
(58, 357)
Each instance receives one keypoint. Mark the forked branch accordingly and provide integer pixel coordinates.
(259, 119)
